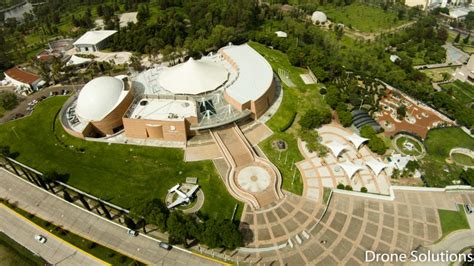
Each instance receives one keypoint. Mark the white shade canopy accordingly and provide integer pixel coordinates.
(356, 140)
(76, 60)
(350, 168)
(98, 98)
(376, 166)
(193, 77)
(336, 148)
(319, 17)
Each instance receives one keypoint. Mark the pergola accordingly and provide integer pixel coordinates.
(356, 140)
(336, 148)
(350, 168)
(376, 166)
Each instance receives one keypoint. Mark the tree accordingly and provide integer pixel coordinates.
(377, 145)
(177, 228)
(135, 63)
(5, 151)
(466, 39)
(340, 186)
(458, 38)
(53, 176)
(363, 190)
(8, 100)
(401, 111)
(348, 187)
(314, 118)
(467, 177)
(345, 117)
(154, 211)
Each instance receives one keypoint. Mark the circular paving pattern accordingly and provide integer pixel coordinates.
(253, 178)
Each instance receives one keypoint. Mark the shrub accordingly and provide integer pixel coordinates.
(315, 118)
(363, 189)
(340, 186)
(348, 187)
(289, 122)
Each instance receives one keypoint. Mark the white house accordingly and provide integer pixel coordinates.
(25, 81)
(93, 41)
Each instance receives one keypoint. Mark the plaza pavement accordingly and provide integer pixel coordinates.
(55, 251)
(93, 227)
(353, 224)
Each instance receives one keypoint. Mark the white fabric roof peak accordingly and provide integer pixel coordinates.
(193, 77)
(336, 148)
(356, 140)
(376, 166)
(94, 37)
(350, 168)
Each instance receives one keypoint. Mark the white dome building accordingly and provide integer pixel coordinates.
(319, 17)
(193, 77)
(99, 97)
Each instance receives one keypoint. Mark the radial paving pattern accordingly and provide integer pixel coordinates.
(351, 225)
(254, 178)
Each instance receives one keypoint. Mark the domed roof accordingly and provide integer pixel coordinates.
(193, 77)
(98, 98)
(319, 16)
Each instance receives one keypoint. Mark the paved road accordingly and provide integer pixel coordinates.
(90, 226)
(54, 251)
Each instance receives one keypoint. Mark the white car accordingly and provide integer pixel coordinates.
(40, 239)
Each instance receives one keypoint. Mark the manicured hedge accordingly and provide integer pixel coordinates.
(289, 123)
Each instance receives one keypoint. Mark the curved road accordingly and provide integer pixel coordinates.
(54, 251)
(91, 226)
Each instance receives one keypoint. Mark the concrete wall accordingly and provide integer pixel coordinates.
(156, 129)
(261, 105)
(114, 119)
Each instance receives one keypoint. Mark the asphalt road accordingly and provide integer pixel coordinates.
(91, 226)
(54, 251)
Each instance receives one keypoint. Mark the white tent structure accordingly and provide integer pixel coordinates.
(319, 17)
(376, 166)
(193, 77)
(350, 168)
(76, 61)
(336, 148)
(356, 140)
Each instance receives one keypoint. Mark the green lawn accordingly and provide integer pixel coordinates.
(438, 144)
(439, 74)
(463, 92)
(298, 99)
(362, 17)
(117, 173)
(417, 146)
(453, 220)
(106, 254)
(463, 159)
(12, 253)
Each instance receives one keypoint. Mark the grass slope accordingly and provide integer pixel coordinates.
(438, 144)
(453, 220)
(362, 17)
(12, 253)
(117, 173)
(299, 100)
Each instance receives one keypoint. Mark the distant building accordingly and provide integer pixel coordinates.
(394, 58)
(93, 41)
(23, 80)
(319, 17)
(281, 34)
(466, 72)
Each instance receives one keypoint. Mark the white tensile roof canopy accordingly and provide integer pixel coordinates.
(76, 60)
(94, 37)
(376, 166)
(356, 140)
(350, 168)
(193, 77)
(336, 148)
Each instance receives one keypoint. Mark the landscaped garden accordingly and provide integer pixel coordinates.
(296, 101)
(463, 92)
(409, 145)
(453, 220)
(439, 171)
(120, 174)
(439, 74)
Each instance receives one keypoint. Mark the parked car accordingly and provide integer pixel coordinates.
(165, 245)
(468, 208)
(132, 232)
(40, 239)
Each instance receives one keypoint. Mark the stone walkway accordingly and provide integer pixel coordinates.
(318, 173)
(354, 224)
